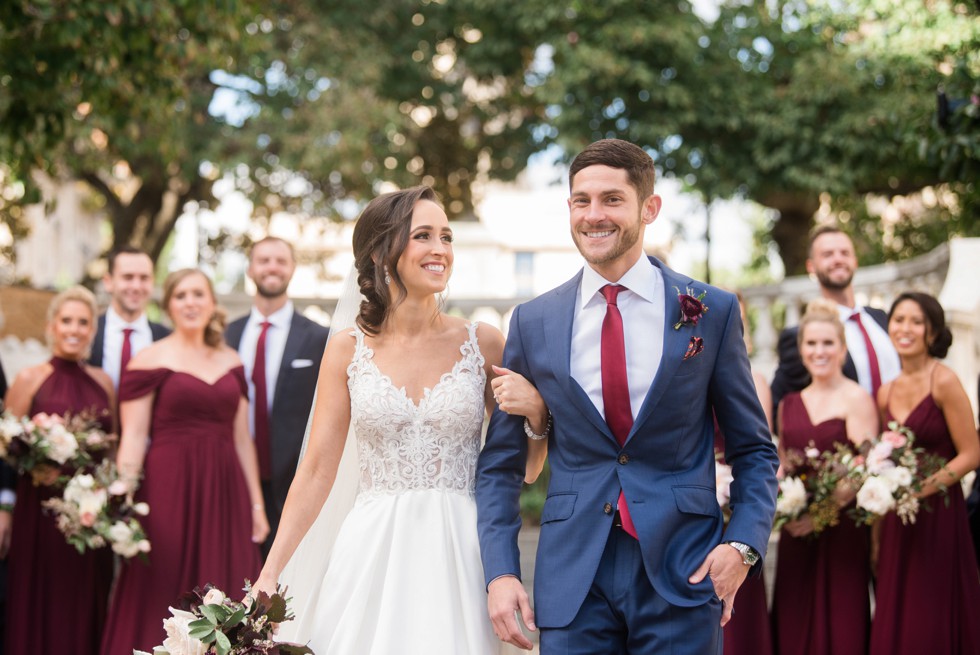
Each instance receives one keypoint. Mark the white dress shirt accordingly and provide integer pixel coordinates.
(888, 363)
(112, 341)
(275, 345)
(642, 306)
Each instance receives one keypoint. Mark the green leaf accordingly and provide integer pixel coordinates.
(222, 643)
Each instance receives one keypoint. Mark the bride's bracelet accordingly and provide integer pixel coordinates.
(538, 437)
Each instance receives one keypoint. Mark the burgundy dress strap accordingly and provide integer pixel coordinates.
(141, 381)
(239, 374)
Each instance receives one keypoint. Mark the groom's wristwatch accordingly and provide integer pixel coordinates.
(749, 556)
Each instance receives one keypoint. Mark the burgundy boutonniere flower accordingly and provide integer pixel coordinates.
(692, 309)
(694, 347)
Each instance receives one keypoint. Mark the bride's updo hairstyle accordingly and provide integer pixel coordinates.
(380, 237)
(214, 332)
(938, 336)
(821, 310)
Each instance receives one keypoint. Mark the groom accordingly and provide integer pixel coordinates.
(633, 366)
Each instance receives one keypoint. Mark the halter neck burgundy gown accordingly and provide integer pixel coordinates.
(821, 603)
(56, 599)
(928, 589)
(200, 521)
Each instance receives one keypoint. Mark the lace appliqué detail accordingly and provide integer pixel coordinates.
(403, 447)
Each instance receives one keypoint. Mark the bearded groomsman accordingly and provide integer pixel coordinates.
(281, 350)
(871, 357)
(124, 329)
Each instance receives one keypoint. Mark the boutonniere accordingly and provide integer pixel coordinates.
(694, 347)
(692, 309)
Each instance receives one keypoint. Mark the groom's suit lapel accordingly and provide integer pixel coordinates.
(675, 344)
(557, 328)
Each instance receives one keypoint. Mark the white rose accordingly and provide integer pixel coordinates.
(214, 597)
(723, 483)
(179, 640)
(792, 497)
(875, 496)
(812, 453)
(126, 549)
(897, 477)
(62, 444)
(143, 545)
(118, 488)
(11, 428)
(141, 509)
(120, 533)
(81, 491)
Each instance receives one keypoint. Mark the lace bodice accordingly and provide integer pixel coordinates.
(404, 447)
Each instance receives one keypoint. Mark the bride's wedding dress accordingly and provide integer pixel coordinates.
(405, 575)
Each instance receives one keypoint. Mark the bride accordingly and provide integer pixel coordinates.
(400, 570)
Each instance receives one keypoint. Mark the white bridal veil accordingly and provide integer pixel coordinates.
(304, 573)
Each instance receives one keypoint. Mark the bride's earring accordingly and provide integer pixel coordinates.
(387, 277)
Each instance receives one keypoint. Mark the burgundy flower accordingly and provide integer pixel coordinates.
(692, 309)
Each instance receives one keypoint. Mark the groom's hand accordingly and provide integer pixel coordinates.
(724, 565)
(506, 596)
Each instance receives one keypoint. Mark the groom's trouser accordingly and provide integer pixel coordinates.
(623, 614)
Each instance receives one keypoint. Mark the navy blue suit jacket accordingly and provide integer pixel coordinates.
(666, 468)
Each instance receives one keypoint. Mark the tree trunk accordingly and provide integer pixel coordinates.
(791, 232)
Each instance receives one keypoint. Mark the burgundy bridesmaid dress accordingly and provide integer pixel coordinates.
(200, 521)
(56, 599)
(927, 587)
(748, 633)
(821, 603)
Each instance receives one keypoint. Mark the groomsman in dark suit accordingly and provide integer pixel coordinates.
(281, 350)
(871, 357)
(124, 329)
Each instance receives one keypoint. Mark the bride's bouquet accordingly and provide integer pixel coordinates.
(891, 471)
(207, 622)
(96, 509)
(49, 447)
(808, 487)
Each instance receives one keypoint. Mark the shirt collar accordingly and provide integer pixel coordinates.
(281, 318)
(114, 321)
(846, 312)
(642, 279)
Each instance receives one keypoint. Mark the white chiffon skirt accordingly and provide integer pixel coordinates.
(405, 577)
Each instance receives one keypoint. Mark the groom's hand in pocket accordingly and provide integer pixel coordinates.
(725, 567)
(506, 597)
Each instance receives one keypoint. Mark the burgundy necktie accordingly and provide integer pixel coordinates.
(872, 357)
(261, 410)
(615, 386)
(127, 351)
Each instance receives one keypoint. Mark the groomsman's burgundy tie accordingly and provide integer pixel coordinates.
(127, 351)
(261, 410)
(615, 386)
(872, 356)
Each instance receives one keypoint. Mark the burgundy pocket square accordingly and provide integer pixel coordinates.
(694, 347)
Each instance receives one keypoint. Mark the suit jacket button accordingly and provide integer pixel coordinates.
(624, 458)
(607, 508)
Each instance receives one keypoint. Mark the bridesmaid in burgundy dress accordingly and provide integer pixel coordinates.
(928, 589)
(184, 431)
(48, 578)
(821, 603)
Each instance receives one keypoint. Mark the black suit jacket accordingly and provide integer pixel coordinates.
(98, 346)
(292, 400)
(791, 375)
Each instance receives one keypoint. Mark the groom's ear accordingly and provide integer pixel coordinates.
(651, 208)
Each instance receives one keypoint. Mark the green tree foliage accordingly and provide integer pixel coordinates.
(784, 103)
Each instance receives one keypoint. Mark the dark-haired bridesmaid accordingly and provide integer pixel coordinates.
(928, 588)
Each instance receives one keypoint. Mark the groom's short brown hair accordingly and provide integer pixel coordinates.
(617, 153)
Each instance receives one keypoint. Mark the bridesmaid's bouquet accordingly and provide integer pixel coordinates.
(207, 622)
(890, 471)
(50, 447)
(96, 509)
(809, 485)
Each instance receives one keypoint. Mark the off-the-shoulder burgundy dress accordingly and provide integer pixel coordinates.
(200, 521)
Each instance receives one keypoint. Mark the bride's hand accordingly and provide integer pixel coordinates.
(260, 524)
(266, 583)
(516, 396)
